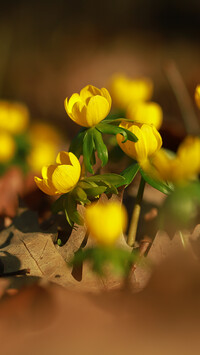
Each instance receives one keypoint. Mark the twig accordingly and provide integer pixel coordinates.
(175, 79)
(136, 214)
(15, 273)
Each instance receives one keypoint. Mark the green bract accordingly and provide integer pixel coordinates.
(90, 140)
(86, 190)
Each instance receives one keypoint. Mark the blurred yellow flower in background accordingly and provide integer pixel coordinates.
(14, 117)
(41, 154)
(106, 222)
(149, 142)
(7, 147)
(61, 177)
(197, 96)
(124, 90)
(44, 132)
(45, 143)
(145, 112)
(89, 107)
(183, 166)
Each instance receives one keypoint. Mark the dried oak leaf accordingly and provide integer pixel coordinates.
(25, 246)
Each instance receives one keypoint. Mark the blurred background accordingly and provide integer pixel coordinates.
(50, 49)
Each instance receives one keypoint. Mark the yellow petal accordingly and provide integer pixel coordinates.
(63, 158)
(197, 96)
(189, 154)
(152, 138)
(66, 158)
(79, 112)
(136, 150)
(64, 178)
(97, 109)
(105, 93)
(70, 103)
(43, 186)
(89, 91)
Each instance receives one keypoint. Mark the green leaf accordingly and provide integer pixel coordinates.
(100, 147)
(88, 148)
(96, 191)
(72, 215)
(131, 136)
(111, 190)
(76, 146)
(80, 194)
(86, 184)
(110, 129)
(157, 184)
(119, 260)
(129, 174)
(113, 179)
(58, 205)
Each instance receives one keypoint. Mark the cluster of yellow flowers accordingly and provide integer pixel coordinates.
(89, 108)
(43, 141)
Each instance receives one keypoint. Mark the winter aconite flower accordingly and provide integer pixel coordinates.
(145, 112)
(14, 117)
(197, 96)
(7, 147)
(124, 90)
(89, 107)
(185, 165)
(105, 222)
(45, 144)
(149, 142)
(61, 177)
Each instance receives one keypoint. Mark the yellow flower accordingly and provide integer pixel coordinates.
(149, 142)
(44, 132)
(14, 117)
(106, 222)
(61, 177)
(145, 112)
(124, 90)
(45, 145)
(89, 107)
(7, 147)
(42, 153)
(197, 96)
(185, 165)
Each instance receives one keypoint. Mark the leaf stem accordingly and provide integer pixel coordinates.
(136, 214)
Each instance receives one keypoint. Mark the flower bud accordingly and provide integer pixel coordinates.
(89, 107)
(61, 177)
(149, 142)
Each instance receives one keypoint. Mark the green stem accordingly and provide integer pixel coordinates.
(136, 214)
